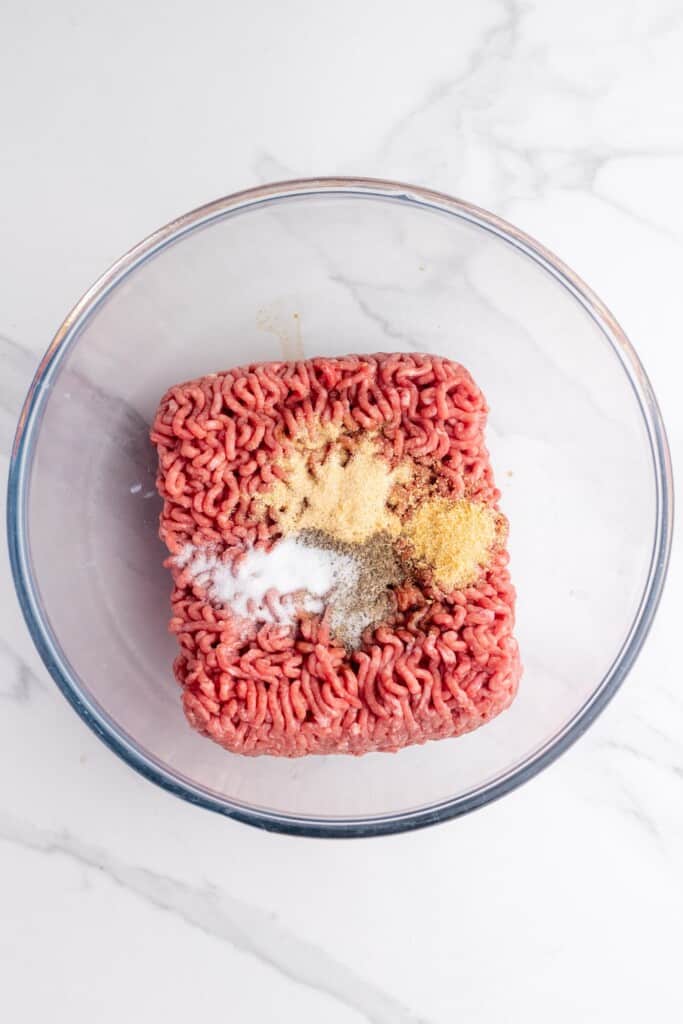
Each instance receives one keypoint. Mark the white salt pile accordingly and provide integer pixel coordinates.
(271, 586)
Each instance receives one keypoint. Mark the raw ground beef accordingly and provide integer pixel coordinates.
(442, 664)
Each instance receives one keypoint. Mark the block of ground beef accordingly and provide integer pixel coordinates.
(339, 563)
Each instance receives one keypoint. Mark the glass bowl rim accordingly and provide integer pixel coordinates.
(27, 434)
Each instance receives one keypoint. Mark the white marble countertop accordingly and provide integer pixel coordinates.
(561, 902)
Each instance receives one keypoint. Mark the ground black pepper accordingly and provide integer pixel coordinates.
(370, 599)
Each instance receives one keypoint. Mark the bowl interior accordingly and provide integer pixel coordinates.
(326, 274)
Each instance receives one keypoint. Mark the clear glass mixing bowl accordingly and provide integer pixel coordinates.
(327, 267)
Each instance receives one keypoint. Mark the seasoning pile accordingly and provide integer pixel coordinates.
(344, 546)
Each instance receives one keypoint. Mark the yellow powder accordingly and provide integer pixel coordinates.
(344, 496)
(454, 538)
